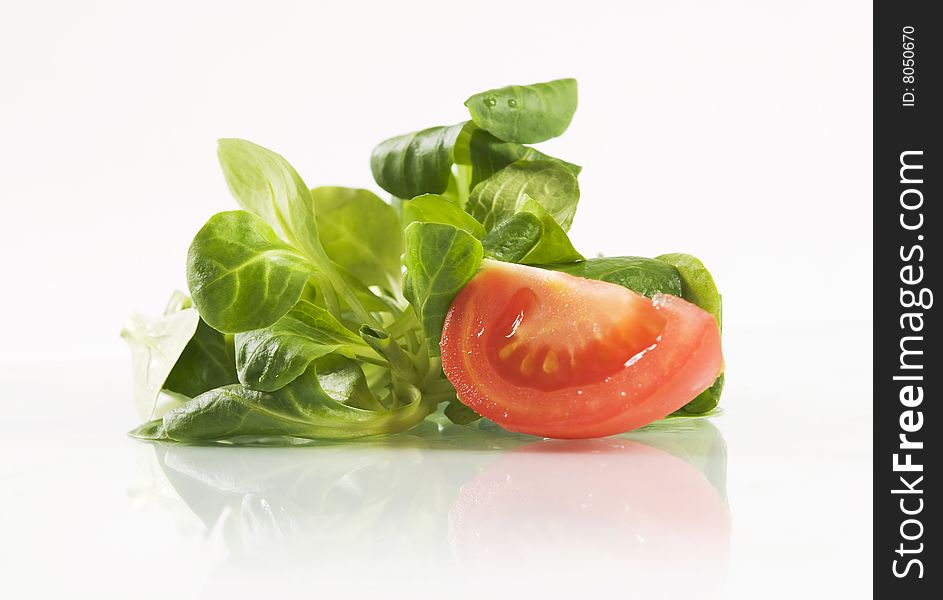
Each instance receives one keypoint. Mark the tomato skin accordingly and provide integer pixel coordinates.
(683, 362)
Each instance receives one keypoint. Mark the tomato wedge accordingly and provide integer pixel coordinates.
(554, 355)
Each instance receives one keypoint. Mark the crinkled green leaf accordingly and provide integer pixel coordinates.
(549, 182)
(432, 208)
(416, 163)
(361, 233)
(525, 113)
(513, 238)
(320, 404)
(440, 259)
(241, 275)
(271, 358)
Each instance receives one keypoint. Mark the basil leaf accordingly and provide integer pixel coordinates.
(320, 404)
(440, 259)
(416, 163)
(513, 238)
(525, 113)
(432, 208)
(156, 344)
(265, 184)
(488, 155)
(206, 363)
(697, 284)
(505, 192)
(241, 275)
(271, 358)
(646, 276)
(361, 233)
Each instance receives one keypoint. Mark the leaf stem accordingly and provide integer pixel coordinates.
(327, 292)
(399, 361)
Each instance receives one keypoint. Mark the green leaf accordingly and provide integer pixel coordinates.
(156, 344)
(698, 287)
(361, 233)
(513, 238)
(504, 193)
(525, 113)
(553, 246)
(241, 275)
(361, 292)
(265, 184)
(646, 276)
(320, 404)
(697, 284)
(460, 414)
(440, 259)
(344, 381)
(488, 155)
(270, 358)
(149, 430)
(530, 236)
(206, 363)
(706, 401)
(416, 163)
(432, 208)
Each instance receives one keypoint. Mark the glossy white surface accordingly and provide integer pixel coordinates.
(772, 497)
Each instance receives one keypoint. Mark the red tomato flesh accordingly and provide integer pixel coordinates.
(554, 355)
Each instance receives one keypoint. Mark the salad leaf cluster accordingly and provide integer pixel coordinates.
(316, 312)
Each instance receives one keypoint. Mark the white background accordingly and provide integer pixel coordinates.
(737, 131)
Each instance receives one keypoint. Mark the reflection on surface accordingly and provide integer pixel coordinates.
(614, 498)
(494, 498)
